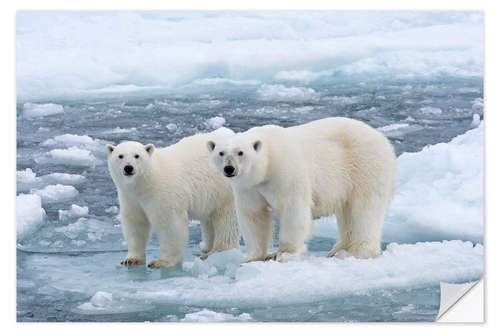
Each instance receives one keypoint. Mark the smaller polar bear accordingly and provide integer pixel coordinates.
(165, 187)
(331, 166)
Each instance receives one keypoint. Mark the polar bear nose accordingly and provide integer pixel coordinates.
(229, 170)
(128, 169)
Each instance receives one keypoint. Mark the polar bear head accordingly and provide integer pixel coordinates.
(239, 158)
(129, 160)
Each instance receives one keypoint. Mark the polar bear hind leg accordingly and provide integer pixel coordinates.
(360, 225)
(225, 232)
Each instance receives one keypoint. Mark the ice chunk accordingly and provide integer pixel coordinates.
(224, 132)
(478, 104)
(208, 316)
(29, 214)
(70, 156)
(32, 110)
(451, 177)
(56, 193)
(26, 180)
(87, 228)
(278, 92)
(74, 212)
(63, 178)
(112, 210)
(73, 140)
(343, 100)
(171, 127)
(392, 127)
(118, 130)
(431, 110)
(476, 120)
(216, 122)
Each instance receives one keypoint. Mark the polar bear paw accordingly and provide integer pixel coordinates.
(276, 256)
(132, 261)
(160, 264)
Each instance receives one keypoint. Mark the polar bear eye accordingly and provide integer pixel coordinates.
(240, 153)
(136, 156)
(120, 156)
(221, 153)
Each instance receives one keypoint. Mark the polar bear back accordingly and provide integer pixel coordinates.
(341, 158)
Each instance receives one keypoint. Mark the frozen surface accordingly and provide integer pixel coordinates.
(32, 110)
(55, 193)
(416, 76)
(29, 214)
(237, 50)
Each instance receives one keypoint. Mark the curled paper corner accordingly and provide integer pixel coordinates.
(451, 294)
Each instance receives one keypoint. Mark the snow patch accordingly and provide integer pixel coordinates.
(70, 156)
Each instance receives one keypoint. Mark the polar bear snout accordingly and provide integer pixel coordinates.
(128, 170)
(229, 171)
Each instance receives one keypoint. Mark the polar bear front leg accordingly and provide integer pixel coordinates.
(207, 235)
(172, 230)
(256, 223)
(136, 229)
(295, 228)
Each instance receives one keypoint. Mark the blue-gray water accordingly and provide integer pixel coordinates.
(40, 264)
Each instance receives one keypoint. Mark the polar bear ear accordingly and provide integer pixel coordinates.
(110, 148)
(257, 145)
(150, 148)
(210, 146)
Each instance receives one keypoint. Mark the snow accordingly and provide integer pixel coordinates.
(29, 214)
(216, 122)
(220, 281)
(237, 48)
(278, 92)
(74, 212)
(32, 110)
(56, 193)
(207, 316)
(446, 179)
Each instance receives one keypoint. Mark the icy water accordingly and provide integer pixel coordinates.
(68, 270)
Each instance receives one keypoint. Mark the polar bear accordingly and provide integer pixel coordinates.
(330, 166)
(164, 188)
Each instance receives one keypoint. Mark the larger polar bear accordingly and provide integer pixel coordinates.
(330, 166)
(165, 187)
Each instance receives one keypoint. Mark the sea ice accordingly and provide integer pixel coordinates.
(74, 212)
(216, 122)
(431, 110)
(70, 156)
(56, 193)
(278, 92)
(32, 110)
(29, 214)
(208, 316)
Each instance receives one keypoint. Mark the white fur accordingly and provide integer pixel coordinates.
(170, 186)
(331, 166)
